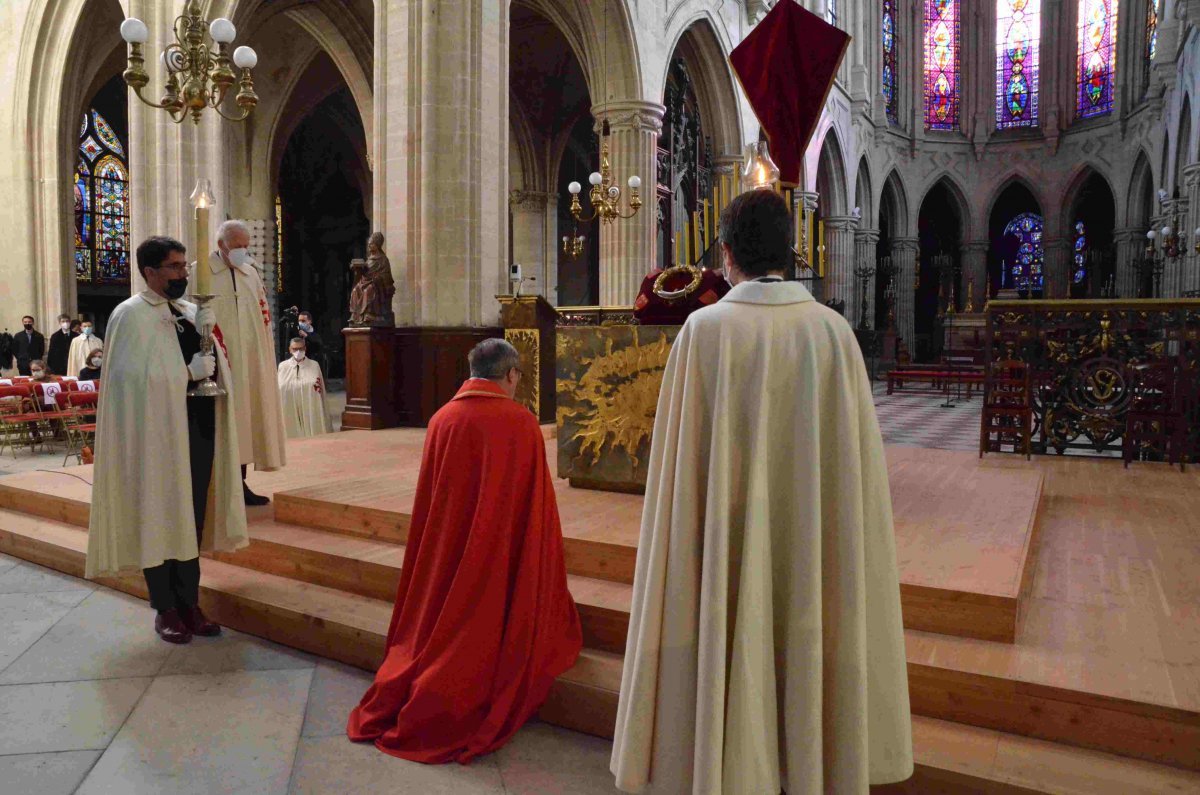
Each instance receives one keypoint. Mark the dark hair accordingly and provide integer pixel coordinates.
(758, 230)
(153, 252)
(61, 318)
(304, 312)
(27, 317)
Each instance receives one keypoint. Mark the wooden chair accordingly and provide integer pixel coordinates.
(1007, 417)
(1157, 415)
(80, 426)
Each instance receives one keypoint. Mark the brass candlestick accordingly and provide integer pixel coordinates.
(208, 387)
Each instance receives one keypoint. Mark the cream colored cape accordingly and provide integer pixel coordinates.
(245, 319)
(81, 346)
(765, 647)
(141, 511)
(303, 405)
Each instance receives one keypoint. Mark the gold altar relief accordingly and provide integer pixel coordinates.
(525, 340)
(608, 383)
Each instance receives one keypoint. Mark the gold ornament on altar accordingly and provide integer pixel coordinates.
(671, 296)
(970, 307)
(197, 78)
(604, 195)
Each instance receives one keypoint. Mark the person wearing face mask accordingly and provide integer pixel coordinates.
(28, 344)
(314, 347)
(302, 393)
(166, 482)
(83, 346)
(91, 372)
(245, 318)
(39, 371)
(60, 346)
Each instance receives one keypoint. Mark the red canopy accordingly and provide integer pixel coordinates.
(786, 67)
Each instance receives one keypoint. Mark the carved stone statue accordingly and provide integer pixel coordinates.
(371, 298)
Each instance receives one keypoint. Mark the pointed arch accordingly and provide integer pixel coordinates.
(864, 196)
(831, 176)
(961, 203)
(1071, 196)
(1139, 207)
(1183, 138)
(700, 47)
(893, 204)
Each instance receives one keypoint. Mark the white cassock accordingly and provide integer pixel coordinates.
(81, 346)
(141, 512)
(245, 318)
(302, 395)
(765, 647)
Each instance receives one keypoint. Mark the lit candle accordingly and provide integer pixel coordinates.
(202, 200)
(707, 223)
(697, 249)
(677, 249)
(717, 200)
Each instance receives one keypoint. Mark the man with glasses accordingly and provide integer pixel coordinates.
(483, 620)
(167, 481)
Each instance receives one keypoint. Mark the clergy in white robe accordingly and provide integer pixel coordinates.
(765, 649)
(302, 393)
(82, 347)
(245, 318)
(166, 480)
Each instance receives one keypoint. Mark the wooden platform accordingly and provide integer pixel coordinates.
(1107, 651)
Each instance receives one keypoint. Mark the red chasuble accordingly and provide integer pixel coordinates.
(483, 620)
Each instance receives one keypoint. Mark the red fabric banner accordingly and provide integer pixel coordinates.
(786, 67)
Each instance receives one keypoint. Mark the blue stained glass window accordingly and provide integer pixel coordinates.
(101, 189)
(889, 77)
(1018, 51)
(1025, 273)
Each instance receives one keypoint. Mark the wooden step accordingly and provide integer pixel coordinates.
(952, 757)
(372, 568)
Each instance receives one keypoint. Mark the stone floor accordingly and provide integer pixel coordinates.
(92, 702)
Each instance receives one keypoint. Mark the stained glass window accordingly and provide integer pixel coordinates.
(890, 95)
(101, 205)
(941, 64)
(1151, 30)
(1018, 36)
(831, 11)
(1080, 253)
(1025, 273)
(1097, 57)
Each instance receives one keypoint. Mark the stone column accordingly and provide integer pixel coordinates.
(533, 241)
(904, 260)
(441, 156)
(839, 260)
(974, 271)
(627, 246)
(865, 241)
(1055, 279)
(1129, 244)
(1191, 186)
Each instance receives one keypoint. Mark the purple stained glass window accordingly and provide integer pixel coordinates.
(888, 78)
(1096, 69)
(941, 64)
(1018, 36)
(1151, 30)
(1026, 272)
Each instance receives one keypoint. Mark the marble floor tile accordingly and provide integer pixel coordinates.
(546, 760)
(108, 635)
(336, 689)
(334, 766)
(233, 651)
(25, 577)
(65, 716)
(25, 617)
(7, 562)
(218, 733)
(45, 774)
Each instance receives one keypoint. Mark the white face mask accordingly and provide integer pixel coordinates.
(37, 373)
(298, 355)
(65, 326)
(239, 256)
(95, 364)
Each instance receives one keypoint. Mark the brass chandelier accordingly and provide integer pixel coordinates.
(605, 196)
(197, 77)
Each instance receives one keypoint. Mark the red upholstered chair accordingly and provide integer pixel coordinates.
(1007, 409)
(80, 424)
(1157, 416)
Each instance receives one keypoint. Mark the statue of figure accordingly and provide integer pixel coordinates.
(371, 298)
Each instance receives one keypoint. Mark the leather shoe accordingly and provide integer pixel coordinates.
(170, 627)
(250, 498)
(198, 623)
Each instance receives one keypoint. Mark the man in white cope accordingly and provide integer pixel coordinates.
(765, 649)
(302, 393)
(82, 347)
(166, 478)
(245, 318)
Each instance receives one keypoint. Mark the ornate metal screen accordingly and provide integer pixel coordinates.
(1082, 354)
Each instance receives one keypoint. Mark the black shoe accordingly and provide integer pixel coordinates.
(198, 623)
(170, 627)
(250, 498)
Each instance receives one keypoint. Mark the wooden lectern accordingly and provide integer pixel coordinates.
(529, 324)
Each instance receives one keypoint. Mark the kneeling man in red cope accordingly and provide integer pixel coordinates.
(483, 621)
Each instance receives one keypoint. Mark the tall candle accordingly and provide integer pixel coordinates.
(717, 207)
(201, 287)
(677, 251)
(697, 248)
(708, 230)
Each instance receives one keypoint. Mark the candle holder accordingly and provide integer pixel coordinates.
(208, 387)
